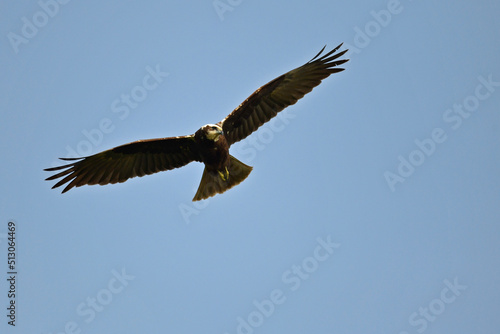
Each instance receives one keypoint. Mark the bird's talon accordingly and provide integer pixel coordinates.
(224, 175)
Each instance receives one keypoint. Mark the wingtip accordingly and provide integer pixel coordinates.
(316, 56)
(329, 53)
(71, 159)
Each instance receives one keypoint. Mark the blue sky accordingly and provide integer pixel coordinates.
(372, 206)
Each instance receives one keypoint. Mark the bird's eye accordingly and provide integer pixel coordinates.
(214, 128)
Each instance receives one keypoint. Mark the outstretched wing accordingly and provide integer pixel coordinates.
(278, 94)
(121, 163)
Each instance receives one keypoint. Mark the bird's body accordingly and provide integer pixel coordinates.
(209, 145)
(215, 150)
(222, 171)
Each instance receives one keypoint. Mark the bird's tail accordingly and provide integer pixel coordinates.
(213, 183)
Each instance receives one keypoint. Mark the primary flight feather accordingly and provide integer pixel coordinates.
(210, 144)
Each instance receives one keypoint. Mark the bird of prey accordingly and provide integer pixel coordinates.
(209, 145)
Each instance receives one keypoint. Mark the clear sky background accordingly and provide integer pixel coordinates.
(373, 206)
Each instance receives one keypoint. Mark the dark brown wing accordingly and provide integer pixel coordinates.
(121, 163)
(278, 94)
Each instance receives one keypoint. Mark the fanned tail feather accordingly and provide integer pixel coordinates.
(212, 182)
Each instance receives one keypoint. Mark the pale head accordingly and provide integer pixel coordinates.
(212, 131)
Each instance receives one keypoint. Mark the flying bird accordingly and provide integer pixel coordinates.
(209, 145)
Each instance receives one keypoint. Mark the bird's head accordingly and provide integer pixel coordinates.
(212, 131)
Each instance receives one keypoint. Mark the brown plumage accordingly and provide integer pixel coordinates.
(210, 144)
